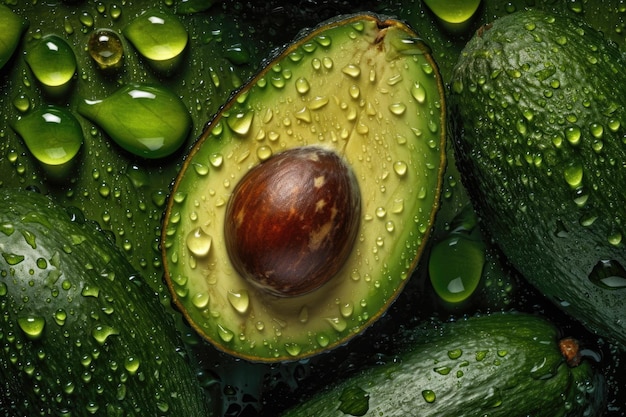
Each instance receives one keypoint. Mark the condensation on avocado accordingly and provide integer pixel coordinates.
(367, 90)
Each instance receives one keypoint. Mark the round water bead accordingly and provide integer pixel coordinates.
(52, 61)
(106, 48)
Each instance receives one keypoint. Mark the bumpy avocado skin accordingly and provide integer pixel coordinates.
(364, 87)
(539, 119)
(81, 332)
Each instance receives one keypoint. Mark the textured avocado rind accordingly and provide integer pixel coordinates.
(537, 106)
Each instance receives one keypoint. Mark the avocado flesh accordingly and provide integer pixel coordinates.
(363, 87)
(82, 333)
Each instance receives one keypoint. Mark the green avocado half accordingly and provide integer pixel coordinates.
(305, 205)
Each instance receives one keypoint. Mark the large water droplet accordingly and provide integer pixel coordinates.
(158, 36)
(146, 120)
(240, 123)
(52, 134)
(52, 61)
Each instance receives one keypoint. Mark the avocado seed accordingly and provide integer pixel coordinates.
(292, 220)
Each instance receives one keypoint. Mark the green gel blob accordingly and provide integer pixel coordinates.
(12, 28)
(146, 120)
(52, 61)
(52, 134)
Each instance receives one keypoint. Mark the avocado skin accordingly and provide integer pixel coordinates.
(520, 87)
(101, 320)
(503, 364)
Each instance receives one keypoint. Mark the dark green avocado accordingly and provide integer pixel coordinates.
(81, 333)
(539, 111)
(272, 255)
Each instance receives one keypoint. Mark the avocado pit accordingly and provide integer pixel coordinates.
(291, 221)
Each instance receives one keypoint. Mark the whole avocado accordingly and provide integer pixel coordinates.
(537, 104)
(81, 333)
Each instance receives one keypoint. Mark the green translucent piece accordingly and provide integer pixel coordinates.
(12, 28)
(157, 36)
(146, 120)
(52, 134)
(455, 267)
(453, 11)
(52, 61)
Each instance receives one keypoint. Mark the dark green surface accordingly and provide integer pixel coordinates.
(81, 333)
(537, 103)
(499, 365)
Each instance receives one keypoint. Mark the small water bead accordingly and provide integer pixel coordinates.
(52, 134)
(429, 396)
(397, 108)
(240, 123)
(52, 61)
(158, 36)
(264, 153)
(352, 70)
(22, 103)
(239, 300)
(146, 120)
(573, 135)
(400, 168)
(199, 242)
(573, 174)
(302, 85)
(106, 48)
(32, 326)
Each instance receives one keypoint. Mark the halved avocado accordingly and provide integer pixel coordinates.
(362, 88)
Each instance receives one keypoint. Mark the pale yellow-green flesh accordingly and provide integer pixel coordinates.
(379, 105)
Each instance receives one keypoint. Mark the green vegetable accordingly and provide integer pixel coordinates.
(302, 210)
(539, 105)
(506, 364)
(81, 333)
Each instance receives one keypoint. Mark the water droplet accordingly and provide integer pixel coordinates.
(397, 108)
(106, 48)
(146, 120)
(573, 174)
(158, 36)
(293, 349)
(609, 274)
(239, 300)
(302, 85)
(199, 242)
(264, 153)
(52, 61)
(455, 353)
(455, 267)
(22, 103)
(102, 332)
(453, 11)
(596, 130)
(400, 168)
(225, 334)
(573, 134)
(12, 258)
(238, 54)
(429, 396)
(337, 323)
(346, 309)
(32, 326)
(318, 102)
(60, 316)
(240, 123)
(352, 70)
(131, 364)
(52, 134)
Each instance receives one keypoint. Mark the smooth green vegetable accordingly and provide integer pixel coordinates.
(539, 105)
(81, 333)
(504, 364)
